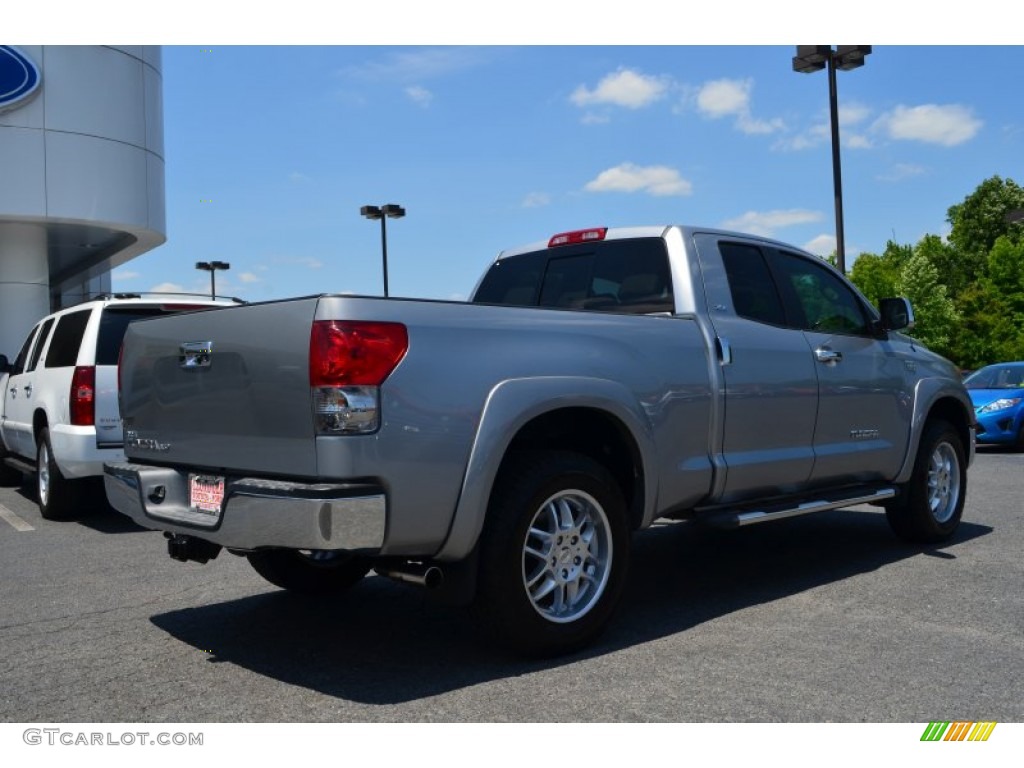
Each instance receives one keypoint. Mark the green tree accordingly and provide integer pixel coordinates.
(935, 313)
(987, 333)
(876, 276)
(977, 223)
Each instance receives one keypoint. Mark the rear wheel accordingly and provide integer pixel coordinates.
(554, 553)
(310, 572)
(53, 490)
(932, 503)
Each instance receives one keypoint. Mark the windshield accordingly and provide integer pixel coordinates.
(997, 377)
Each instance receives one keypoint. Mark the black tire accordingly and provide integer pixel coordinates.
(581, 559)
(931, 504)
(54, 492)
(1019, 445)
(316, 573)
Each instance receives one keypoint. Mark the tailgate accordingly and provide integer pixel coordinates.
(225, 389)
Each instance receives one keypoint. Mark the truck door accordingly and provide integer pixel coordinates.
(770, 383)
(864, 396)
(18, 394)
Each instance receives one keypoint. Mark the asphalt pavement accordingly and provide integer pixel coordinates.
(824, 618)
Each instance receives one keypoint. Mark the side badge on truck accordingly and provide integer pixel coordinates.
(195, 354)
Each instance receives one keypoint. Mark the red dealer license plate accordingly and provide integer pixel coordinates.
(206, 494)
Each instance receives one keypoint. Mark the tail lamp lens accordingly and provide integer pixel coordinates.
(82, 401)
(348, 361)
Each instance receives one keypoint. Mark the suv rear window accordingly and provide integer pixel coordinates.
(67, 338)
(113, 324)
(626, 276)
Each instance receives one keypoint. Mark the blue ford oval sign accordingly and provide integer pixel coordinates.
(19, 77)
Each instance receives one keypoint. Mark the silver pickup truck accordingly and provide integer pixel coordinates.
(505, 449)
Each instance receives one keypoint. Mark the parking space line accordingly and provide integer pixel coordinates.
(16, 522)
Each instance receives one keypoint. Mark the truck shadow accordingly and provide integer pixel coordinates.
(385, 643)
(91, 510)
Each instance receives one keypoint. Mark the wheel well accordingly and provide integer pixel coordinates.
(952, 411)
(593, 433)
(38, 422)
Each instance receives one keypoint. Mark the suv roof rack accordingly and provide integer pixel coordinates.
(146, 294)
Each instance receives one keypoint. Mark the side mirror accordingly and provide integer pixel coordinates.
(5, 364)
(897, 314)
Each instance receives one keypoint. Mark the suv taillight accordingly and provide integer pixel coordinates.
(348, 361)
(82, 400)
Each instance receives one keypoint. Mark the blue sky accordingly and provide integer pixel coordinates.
(271, 151)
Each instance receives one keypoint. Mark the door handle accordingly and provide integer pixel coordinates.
(724, 351)
(828, 356)
(14, 391)
(28, 390)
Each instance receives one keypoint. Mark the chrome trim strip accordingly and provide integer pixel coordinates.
(758, 516)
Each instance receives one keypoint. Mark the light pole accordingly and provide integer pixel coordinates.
(212, 267)
(383, 213)
(811, 58)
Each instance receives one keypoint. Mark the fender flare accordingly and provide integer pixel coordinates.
(927, 393)
(508, 408)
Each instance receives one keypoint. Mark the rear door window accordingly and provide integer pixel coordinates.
(38, 351)
(19, 361)
(753, 290)
(67, 338)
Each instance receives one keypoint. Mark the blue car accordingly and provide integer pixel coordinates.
(997, 392)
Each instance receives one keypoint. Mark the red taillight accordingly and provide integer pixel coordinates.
(579, 236)
(82, 402)
(343, 354)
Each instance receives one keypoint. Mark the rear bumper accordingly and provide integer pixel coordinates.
(76, 452)
(256, 512)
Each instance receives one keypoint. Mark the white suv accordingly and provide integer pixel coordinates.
(59, 414)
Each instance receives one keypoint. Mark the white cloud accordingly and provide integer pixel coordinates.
(416, 65)
(656, 180)
(167, 288)
(731, 98)
(624, 88)
(249, 277)
(297, 178)
(592, 119)
(126, 275)
(750, 125)
(901, 171)
(536, 200)
(855, 141)
(419, 95)
(768, 222)
(943, 124)
(822, 245)
(853, 112)
(721, 98)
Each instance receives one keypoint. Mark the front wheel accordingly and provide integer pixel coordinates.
(932, 503)
(310, 572)
(553, 554)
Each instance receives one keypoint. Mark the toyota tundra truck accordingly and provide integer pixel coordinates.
(504, 449)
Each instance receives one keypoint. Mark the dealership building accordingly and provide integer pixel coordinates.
(82, 172)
